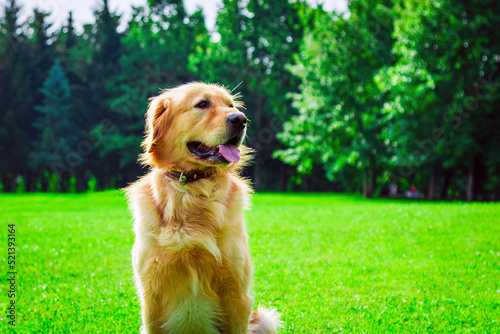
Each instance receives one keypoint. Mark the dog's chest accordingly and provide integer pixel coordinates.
(201, 212)
(196, 223)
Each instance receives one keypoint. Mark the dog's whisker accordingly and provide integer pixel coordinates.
(232, 90)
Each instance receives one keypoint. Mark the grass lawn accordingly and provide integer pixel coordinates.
(328, 263)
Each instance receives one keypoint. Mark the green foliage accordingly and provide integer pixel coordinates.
(399, 87)
(324, 261)
(338, 122)
(55, 122)
(15, 98)
(391, 92)
(104, 69)
(157, 45)
(438, 94)
(256, 44)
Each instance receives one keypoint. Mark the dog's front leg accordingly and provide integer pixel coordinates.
(146, 269)
(237, 310)
(151, 318)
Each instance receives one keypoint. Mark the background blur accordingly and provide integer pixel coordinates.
(374, 98)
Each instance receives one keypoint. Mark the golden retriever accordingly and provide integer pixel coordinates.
(191, 261)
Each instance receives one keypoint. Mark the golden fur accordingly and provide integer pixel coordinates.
(191, 261)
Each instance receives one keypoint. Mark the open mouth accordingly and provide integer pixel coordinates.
(223, 153)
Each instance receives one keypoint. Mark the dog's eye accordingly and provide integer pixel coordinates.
(202, 105)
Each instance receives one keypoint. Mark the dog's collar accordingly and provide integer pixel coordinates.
(187, 177)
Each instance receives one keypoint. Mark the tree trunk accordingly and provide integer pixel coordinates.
(44, 183)
(257, 119)
(446, 183)
(256, 177)
(9, 183)
(365, 183)
(471, 182)
(106, 183)
(257, 112)
(80, 181)
(373, 180)
(369, 185)
(305, 183)
(5, 181)
(31, 180)
(283, 177)
(64, 182)
(432, 182)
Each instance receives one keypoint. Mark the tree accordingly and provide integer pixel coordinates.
(339, 123)
(55, 125)
(401, 92)
(67, 40)
(159, 41)
(440, 105)
(75, 52)
(256, 44)
(42, 54)
(102, 82)
(15, 97)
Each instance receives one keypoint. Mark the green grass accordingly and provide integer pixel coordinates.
(328, 263)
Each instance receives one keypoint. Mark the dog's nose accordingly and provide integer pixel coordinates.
(238, 120)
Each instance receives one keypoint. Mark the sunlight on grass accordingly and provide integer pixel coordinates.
(327, 262)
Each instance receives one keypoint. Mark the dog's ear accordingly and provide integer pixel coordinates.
(157, 121)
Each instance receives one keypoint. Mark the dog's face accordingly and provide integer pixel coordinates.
(194, 126)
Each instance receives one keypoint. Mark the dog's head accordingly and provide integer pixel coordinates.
(194, 126)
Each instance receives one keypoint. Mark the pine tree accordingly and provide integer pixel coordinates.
(108, 40)
(15, 97)
(54, 124)
(75, 51)
(159, 41)
(71, 39)
(66, 41)
(103, 76)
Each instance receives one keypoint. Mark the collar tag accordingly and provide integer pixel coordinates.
(182, 178)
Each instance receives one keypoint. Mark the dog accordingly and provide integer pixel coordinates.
(191, 261)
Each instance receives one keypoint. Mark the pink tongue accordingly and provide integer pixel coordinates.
(230, 152)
